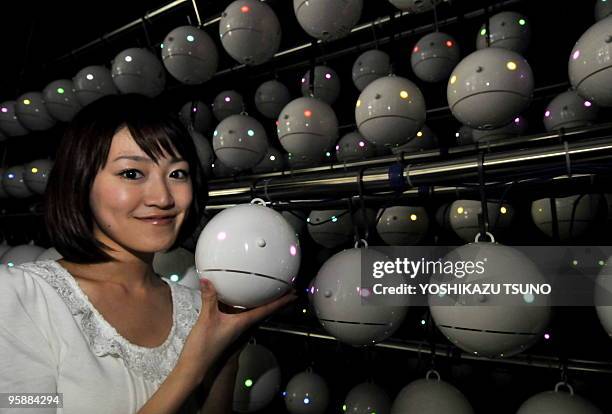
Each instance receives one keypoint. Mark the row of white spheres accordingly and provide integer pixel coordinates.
(22, 181)
(259, 377)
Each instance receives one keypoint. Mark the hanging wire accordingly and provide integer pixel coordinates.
(435, 13)
(483, 217)
(145, 22)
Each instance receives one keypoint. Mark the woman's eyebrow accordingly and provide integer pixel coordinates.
(173, 160)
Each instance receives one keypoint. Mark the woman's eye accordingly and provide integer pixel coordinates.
(130, 174)
(182, 174)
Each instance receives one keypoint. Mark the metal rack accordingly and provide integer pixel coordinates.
(539, 361)
(409, 171)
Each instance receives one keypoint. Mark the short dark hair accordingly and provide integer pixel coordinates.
(83, 151)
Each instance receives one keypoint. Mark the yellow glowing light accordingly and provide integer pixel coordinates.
(413, 217)
(460, 210)
(420, 134)
(453, 79)
(358, 103)
(503, 210)
(403, 94)
(27, 102)
(34, 170)
(511, 65)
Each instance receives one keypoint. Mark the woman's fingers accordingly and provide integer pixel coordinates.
(259, 313)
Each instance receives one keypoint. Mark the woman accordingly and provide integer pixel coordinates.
(99, 325)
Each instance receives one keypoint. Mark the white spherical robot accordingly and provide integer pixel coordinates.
(575, 214)
(9, 123)
(136, 70)
(390, 110)
(307, 128)
(271, 97)
(14, 183)
(414, 6)
(339, 297)
(507, 30)
(258, 379)
(434, 57)
(367, 398)
(491, 325)
(250, 31)
(425, 139)
(36, 175)
(250, 253)
(327, 19)
(190, 55)
(240, 142)
(196, 114)
(370, 66)
(23, 253)
(173, 264)
(514, 129)
(93, 82)
(463, 216)
(569, 110)
(354, 147)
(431, 396)
(61, 100)
(307, 393)
(297, 220)
(558, 402)
(443, 216)
(465, 135)
(590, 63)
(330, 228)
(602, 300)
(274, 160)
(402, 225)
(50, 254)
(32, 112)
(603, 8)
(204, 151)
(326, 84)
(489, 87)
(221, 170)
(227, 103)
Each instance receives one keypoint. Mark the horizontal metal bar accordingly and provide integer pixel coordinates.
(428, 170)
(540, 361)
(106, 36)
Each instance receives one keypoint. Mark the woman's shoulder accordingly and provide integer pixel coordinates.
(26, 281)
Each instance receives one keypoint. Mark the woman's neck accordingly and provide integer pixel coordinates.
(131, 275)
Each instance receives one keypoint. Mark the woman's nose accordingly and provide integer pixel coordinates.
(159, 193)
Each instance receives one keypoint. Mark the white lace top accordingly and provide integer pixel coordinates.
(52, 339)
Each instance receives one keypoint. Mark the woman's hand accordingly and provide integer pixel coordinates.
(215, 331)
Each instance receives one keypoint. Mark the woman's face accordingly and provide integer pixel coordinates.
(131, 194)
